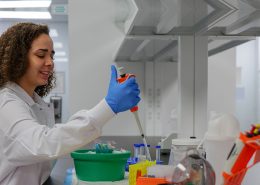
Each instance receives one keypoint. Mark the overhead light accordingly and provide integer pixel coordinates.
(25, 15)
(25, 4)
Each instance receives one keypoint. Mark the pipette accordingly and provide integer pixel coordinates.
(123, 77)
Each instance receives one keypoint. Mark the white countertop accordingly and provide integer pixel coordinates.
(76, 181)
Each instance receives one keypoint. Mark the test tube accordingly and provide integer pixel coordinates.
(146, 155)
(142, 156)
(136, 151)
(142, 149)
(158, 154)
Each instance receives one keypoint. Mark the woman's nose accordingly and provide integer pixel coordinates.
(49, 61)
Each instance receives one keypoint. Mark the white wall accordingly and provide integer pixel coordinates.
(94, 39)
(247, 95)
(234, 88)
(161, 98)
(234, 83)
(247, 84)
(222, 81)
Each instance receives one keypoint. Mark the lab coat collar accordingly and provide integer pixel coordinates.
(25, 96)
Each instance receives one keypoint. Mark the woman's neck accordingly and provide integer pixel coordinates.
(27, 88)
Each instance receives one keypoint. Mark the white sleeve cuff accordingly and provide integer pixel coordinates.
(101, 113)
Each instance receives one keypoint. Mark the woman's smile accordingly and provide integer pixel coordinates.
(45, 75)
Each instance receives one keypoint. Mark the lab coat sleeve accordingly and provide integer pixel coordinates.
(27, 142)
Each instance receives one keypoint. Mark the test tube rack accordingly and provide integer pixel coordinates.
(239, 169)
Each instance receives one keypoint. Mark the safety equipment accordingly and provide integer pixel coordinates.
(122, 96)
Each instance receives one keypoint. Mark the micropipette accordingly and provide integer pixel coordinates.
(123, 77)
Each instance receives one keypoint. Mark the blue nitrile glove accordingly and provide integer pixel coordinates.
(122, 96)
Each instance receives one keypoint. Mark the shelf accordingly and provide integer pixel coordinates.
(152, 27)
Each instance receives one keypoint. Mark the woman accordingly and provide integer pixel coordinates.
(29, 140)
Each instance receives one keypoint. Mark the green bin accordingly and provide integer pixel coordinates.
(100, 166)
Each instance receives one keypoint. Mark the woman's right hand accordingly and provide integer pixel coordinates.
(122, 96)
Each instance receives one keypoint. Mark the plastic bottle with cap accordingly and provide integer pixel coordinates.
(223, 129)
(69, 176)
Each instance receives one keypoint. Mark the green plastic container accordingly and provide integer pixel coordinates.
(100, 166)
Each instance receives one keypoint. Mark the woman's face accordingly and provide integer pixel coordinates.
(41, 64)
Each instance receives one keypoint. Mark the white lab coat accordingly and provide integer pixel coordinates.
(29, 140)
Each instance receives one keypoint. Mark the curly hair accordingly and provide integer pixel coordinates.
(15, 44)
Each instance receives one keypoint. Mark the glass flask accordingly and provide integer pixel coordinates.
(193, 170)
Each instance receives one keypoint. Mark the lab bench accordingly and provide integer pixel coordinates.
(58, 174)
